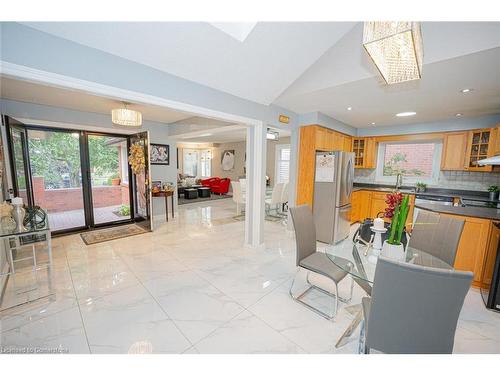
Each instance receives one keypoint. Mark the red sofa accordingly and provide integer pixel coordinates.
(217, 185)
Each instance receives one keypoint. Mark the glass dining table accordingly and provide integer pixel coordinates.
(361, 265)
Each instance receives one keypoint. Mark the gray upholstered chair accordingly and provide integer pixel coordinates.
(437, 235)
(413, 309)
(309, 259)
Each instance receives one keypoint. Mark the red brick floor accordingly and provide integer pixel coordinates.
(76, 218)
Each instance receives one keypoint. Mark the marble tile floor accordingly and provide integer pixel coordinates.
(192, 287)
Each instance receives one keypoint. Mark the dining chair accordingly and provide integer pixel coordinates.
(238, 197)
(275, 201)
(438, 235)
(309, 259)
(413, 309)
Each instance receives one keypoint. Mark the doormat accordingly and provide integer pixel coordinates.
(109, 234)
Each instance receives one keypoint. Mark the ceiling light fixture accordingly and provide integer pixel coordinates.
(396, 49)
(406, 114)
(272, 135)
(465, 91)
(373, 123)
(126, 117)
(458, 115)
(349, 108)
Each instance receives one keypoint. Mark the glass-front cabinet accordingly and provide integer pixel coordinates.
(364, 152)
(479, 147)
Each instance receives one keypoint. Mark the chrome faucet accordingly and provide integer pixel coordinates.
(399, 181)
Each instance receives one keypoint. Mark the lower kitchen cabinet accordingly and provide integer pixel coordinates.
(472, 246)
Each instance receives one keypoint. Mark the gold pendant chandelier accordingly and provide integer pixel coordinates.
(396, 49)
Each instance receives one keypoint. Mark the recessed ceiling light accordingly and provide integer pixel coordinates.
(373, 123)
(349, 108)
(458, 115)
(406, 114)
(465, 91)
(205, 135)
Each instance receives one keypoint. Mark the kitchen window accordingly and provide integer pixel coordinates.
(417, 161)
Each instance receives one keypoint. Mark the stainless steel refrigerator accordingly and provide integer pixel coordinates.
(333, 182)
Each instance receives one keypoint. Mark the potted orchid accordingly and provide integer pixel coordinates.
(393, 247)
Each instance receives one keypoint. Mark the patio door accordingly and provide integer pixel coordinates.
(108, 173)
(82, 179)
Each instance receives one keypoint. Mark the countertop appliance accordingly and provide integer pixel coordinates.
(490, 279)
(430, 199)
(333, 184)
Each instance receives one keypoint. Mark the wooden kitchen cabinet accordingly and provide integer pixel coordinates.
(497, 140)
(355, 206)
(377, 203)
(315, 138)
(364, 152)
(472, 246)
(480, 146)
(454, 151)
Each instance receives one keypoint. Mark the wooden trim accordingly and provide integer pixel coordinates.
(410, 137)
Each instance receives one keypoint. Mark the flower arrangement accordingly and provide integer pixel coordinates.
(398, 221)
(136, 158)
(392, 201)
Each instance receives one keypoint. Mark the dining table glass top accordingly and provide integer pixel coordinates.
(362, 261)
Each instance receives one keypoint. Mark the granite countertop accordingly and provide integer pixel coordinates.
(479, 212)
(481, 196)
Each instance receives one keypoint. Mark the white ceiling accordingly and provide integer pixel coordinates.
(312, 66)
(259, 69)
(80, 101)
(222, 134)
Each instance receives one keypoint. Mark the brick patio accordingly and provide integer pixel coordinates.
(76, 218)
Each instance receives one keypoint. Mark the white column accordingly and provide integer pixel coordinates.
(256, 185)
(294, 171)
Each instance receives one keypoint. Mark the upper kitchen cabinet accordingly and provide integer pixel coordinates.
(315, 138)
(454, 151)
(497, 140)
(365, 151)
(480, 145)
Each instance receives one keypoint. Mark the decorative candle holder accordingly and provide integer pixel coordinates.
(377, 244)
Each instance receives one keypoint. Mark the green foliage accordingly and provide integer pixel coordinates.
(493, 189)
(124, 210)
(399, 221)
(56, 157)
(395, 166)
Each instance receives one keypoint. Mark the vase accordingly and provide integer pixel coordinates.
(18, 214)
(494, 195)
(396, 252)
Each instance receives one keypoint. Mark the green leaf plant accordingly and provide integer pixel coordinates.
(398, 221)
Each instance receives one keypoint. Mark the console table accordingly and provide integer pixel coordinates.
(166, 194)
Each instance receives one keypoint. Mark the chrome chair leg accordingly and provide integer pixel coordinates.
(310, 287)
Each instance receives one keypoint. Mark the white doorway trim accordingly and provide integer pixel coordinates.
(254, 219)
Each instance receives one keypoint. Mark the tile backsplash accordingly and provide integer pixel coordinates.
(462, 180)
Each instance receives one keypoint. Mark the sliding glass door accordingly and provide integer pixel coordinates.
(109, 178)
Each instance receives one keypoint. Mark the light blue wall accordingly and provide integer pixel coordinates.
(455, 124)
(32, 48)
(158, 133)
(326, 121)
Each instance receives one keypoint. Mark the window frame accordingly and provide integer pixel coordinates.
(436, 163)
(278, 159)
(199, 153)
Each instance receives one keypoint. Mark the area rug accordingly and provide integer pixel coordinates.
(109, 234)
(213, 197)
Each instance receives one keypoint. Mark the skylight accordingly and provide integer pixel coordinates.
(237, 30)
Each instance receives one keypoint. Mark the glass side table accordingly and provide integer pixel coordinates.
(22, 284)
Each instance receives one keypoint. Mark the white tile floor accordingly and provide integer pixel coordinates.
(191, 287)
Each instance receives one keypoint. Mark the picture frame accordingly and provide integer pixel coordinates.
(160, 154)
(156, 184)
